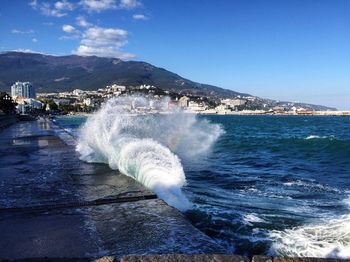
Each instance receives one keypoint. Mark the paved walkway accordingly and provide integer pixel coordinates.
(37, 168)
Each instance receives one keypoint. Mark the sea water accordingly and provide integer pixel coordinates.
(276, 185)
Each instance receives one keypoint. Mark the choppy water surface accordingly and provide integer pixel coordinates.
(269, 184)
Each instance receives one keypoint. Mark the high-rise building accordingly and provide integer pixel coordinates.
(23, 89)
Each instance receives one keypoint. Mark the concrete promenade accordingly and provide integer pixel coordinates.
(7, 120)
(53, 205)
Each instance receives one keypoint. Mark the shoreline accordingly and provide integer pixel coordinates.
(262, 113)
(238, 113)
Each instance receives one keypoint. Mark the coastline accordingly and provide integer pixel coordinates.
(260, 112)
(243, 113)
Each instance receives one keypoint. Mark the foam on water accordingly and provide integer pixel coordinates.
(329, 237)
(253, 218)
(145, 147)
(318, 137)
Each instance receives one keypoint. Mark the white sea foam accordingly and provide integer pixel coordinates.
(252, 218)
(312, 137)
(318, 137)
(328, 238)
(311, 185)
(145, 146)
(347, 201)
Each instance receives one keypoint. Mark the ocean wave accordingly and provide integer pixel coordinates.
(347, 201)
(318, 137)
(329, 238)
(311, 186)
(146, 147)
(252, 218)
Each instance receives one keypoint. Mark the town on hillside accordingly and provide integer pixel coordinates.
(25, 100)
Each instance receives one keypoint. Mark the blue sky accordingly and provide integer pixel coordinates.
(296, 50)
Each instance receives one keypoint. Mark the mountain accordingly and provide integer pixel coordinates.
(65, 73)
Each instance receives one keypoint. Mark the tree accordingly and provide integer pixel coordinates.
(7, 105)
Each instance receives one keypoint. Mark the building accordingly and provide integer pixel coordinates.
(91, 102)
(25, 105)
(222, 109)
(23, 89)
(232, 103)
(279, 109)
(183, 101)
(78, 92)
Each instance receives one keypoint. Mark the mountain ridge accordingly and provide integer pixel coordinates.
(50, 73)
(65, 73)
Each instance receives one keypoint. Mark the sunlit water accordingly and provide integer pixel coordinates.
(267, 185)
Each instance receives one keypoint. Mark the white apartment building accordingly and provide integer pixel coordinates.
(23, 89)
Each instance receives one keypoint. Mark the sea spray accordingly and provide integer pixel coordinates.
(145, 146)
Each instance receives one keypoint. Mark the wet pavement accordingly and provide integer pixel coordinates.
(37, 168)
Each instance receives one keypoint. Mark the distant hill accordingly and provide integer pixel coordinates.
(65, 73)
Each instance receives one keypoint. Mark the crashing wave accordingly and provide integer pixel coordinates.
(145, 146)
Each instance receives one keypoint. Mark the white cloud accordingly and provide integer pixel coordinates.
(98, 36)
(72, 31)
(104, 42)
(46, 9)
(61, 7)
(64, 5)
(101, 5)
(56, 10)
(34, 40)
(69, 29)
(81, 21)
(98, 5)
(23, 50)
(69, 37)
(34, 4)
(26, 32)
(103, 52)
(129, 4)
(140, 17)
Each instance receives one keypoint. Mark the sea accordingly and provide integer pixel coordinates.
(267, 184)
